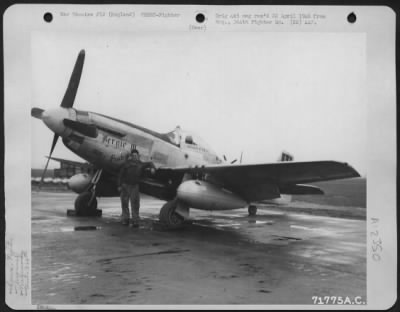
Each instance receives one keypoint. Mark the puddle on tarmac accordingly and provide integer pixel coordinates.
(261, 222)
(228, 225)
(81, 228)
(286, 238)
(214, 215)
(237, 215)
(40, 218)
(87, 228)
(71, 277)
(69, 229)
(317, 230)
(301, 227)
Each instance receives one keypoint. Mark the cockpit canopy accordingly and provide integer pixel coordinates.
(180, 137)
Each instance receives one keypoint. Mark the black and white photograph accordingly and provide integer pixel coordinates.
(200, 156)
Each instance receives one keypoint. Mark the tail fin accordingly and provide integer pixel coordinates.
(286, 157)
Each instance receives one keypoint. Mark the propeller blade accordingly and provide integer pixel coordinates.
(233, 161)
(53, 145)
(241, 155)
(224, 157)
(70, 93)
(37, 112)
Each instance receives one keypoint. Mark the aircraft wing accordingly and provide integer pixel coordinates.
(264, 181)
(71, 162)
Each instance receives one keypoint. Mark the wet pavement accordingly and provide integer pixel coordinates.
(276, 257)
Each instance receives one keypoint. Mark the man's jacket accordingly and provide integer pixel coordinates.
(132, 171)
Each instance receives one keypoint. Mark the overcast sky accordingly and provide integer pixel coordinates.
(260, 92)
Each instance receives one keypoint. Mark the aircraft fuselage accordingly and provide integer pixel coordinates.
(112, 139)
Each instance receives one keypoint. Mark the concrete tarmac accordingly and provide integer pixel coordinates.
(279, 256)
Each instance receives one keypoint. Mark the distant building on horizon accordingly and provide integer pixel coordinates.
(67, 169)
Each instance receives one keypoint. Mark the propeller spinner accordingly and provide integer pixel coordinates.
(53, 117)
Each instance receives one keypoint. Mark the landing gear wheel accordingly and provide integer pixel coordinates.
(82, 207)
(252, 210)
(169, 217)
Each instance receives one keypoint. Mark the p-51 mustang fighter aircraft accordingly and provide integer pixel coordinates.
(189, 174)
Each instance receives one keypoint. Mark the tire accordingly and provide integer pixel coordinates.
(82, 207)
(252, 210)
(169, 217)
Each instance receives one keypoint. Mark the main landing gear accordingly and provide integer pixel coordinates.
(86, 205)
(86, 202)
(252, 210)
(173, 214)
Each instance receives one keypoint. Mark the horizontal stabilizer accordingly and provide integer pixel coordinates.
(286, 157)
(301, 189)
(83, 128)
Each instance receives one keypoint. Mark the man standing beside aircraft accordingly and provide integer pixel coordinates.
(128, 184)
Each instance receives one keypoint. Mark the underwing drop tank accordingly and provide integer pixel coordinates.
(206, 196)
(79, 182)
